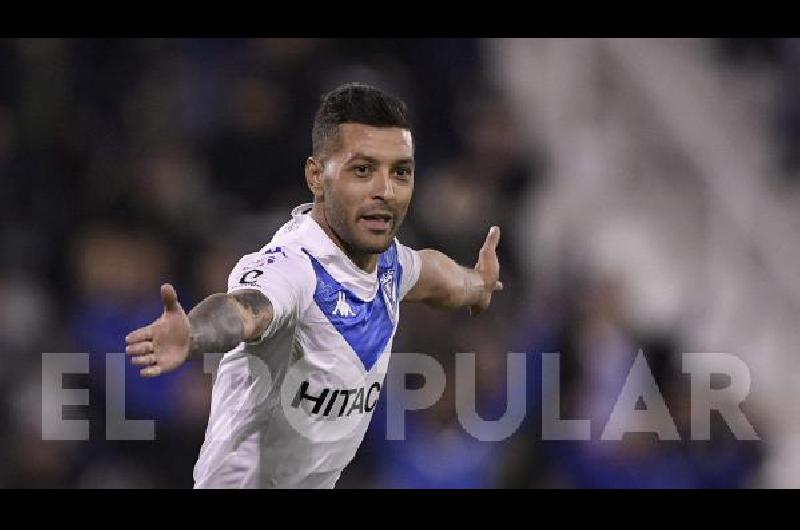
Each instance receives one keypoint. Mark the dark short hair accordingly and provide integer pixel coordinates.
(355, 103)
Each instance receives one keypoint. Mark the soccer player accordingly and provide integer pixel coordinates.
(308, 321)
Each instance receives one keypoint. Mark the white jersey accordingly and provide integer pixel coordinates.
(291, 409)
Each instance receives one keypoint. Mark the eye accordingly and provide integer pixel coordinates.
(403, 173)
(362, 170)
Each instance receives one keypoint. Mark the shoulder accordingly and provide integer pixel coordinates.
(403, 255)
(407, 262)
(281, 272)
(282, 259)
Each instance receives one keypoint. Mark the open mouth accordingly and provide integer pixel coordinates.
(377, 222)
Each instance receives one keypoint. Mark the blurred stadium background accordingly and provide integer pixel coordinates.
(647, 190)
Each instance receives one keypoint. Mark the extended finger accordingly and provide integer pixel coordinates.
(140, 348)
(492, 239)
(139, 335)
(150, 371)
(144, 360)
(169, 297)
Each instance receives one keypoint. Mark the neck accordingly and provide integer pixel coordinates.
(365, 262)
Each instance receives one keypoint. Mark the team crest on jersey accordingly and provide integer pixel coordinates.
(388, 289)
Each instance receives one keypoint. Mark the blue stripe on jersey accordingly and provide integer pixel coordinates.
(368, 326)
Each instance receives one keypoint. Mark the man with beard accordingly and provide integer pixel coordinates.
(308, 320)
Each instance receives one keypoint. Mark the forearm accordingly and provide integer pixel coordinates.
(449, 285)
(222, 321)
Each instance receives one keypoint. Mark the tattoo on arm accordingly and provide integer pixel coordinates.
(257, 312)
(222, 321)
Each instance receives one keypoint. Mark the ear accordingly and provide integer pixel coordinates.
(314, 176)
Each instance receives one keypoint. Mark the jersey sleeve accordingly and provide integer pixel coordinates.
(410, 261)
(281, 275)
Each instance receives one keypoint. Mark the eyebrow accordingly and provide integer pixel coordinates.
(373, 160)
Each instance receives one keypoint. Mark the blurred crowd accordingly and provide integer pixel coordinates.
(126, 163)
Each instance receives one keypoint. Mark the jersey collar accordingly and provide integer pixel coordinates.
(336, 263)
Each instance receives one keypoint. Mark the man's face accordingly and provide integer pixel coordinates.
(368, 179)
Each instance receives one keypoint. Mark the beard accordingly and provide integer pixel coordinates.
(354, 239)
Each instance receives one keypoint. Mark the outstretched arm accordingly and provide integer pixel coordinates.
(215, 325)
(446, 284)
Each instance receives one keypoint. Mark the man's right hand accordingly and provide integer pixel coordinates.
(163, 345)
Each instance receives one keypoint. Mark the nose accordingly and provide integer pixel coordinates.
(383, 187)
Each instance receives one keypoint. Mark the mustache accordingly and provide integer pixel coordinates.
(378, 209)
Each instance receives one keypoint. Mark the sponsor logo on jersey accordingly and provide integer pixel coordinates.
(364, 400)
(250, 277)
